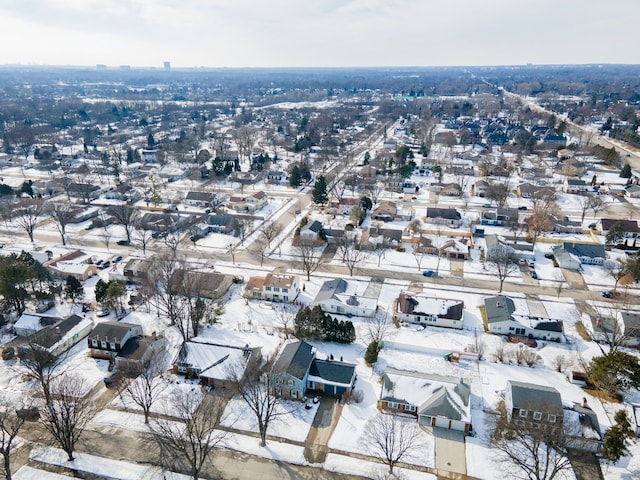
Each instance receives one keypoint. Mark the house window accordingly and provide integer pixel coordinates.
(537, 415)
(285, 290)
(268, 289)
(410, 408)
(103, 344)
(94, 343)
(285, 298)
(112, 346)
(551, 418)
(276, 289)
(290, 382)
(182, 369)
(523, 413)
(393, 405)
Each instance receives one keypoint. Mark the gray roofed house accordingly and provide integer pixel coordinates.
(62, 334)
(571, 255)
(630, 228)
(297, 372)
(340, 297)
(447, 216)
(436, 400)
(310, 230)
(531, 320)
(108, 338)
(533, 404)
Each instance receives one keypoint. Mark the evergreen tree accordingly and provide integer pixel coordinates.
(371, 355)
(73, 290)
(295, 180)
(319, 192)
(613, 447)
(101, 290)
(150, 140)
(615, 234)
(626, 171)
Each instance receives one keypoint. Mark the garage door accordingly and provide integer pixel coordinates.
(442, 422)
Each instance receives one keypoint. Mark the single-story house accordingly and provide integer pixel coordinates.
(340, 297)
(139, 351)
(214, 364)
(630, 228)
(75, 263)
(437, 401)
(529, 319)
(207, 284)
(422, 309)
(60, 336)
(310, 231)
(445, 216)
(571, 255)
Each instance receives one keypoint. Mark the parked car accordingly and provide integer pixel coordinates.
(522, 262)
(118, 259)
(105, 265)
(522, 207)
(610, 294)
(531, 263)
(534, 275)
(44, 305)
(429, 273)
(103, 313)
(123, 243)
(549, 255)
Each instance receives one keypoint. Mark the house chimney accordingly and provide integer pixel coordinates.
(58, 332)
(584, 403)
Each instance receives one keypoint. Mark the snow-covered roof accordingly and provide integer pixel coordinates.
(213, 361)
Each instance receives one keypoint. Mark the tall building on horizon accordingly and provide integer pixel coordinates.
(167, 65)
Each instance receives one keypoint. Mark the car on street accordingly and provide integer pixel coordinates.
(118, 259)
(123, 243)
(610, 294)
(105, 265)
(428, 273)
(534, 275)
(103, 313)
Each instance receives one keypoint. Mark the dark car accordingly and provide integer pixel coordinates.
(105, 265)
(123, 243)
(196, 237)
(522, 207)
(610, 294)
(429, 273)
(118, 259)
(534, 275)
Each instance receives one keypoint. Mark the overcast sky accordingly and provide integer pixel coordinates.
(290, 33)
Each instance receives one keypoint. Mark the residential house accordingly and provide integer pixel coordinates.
(455, 249)
(75, 263)
(386, 211)
(215, 365)
(206, 284)
(575, 185)
(273, 287)
(582, 428)
(571, 255)
(30, 322)
(107, 339)
(533, 405)
(527, 190)
(437, 401)
(138, 352)
(632, 191)
(140, 270)
(630, 228)
(297, 372)
(423, 309)
(553, 139)
(451, 190)
(480, 188)
(631, 322)
(529, 320)
(340, 297)
(444, 216)
(375, 235)
(276, 176)
(198, 199)
(623, 330)
(249, 203)
(310, 232)
(53, 334)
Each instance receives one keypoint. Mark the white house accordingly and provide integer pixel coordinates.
(529, 319)
(425, 310)
(339, 296)
(273, 287)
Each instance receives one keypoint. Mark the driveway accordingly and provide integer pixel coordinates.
(450, 450)
(324, 423)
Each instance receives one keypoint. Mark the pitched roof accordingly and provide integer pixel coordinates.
(531, 396)
(499, 308)
(111, 331)
(448, 213)
(333, 371)
(420, 304)
(591, 250)
(295, 359)
(629, 226)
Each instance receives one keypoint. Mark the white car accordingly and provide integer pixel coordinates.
(103, 313)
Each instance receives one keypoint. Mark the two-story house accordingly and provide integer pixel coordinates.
(340, 297)
(297, 372)
(273, 287)
(533, 406)
(422, 309)
(107, 339)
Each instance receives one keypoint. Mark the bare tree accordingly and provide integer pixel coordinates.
(529, 452)
(616, 270)
(40, 365)
(378, 328)
(143, 237)
(189, 442)
(166, 286)
(542, 219)
(11, 422)
(380, 248)
(124, 215)
(69, 412)
(309, 254)
(254, 385)
(270, 231)
(418, 253)
(584, 202)
(375, 192)
(500, 258)
(352, 256)
(597, 204)
(62, 215)
(27, 214)
(147, 385)
(285, 314)
(391, 438)
(106, 233)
